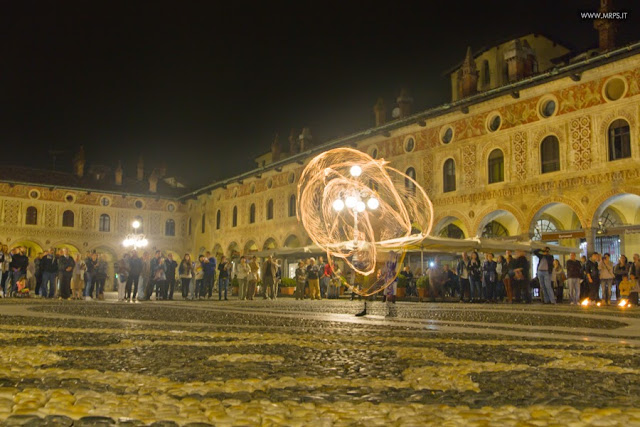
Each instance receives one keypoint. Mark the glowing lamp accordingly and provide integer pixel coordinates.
(351, 202)
(432, 264)
(338, 205)
(355, 171)
(136, 224)
(373, 203)
(360, 206)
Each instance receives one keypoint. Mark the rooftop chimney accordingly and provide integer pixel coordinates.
(293, 143)
(520, 60)
(606, 27)
(469, 75)
(305, 139)
(275, 149)
(140, 174)
(380, 111)
(153, 182)
(119, 173)
(78, 162)
(404, 103)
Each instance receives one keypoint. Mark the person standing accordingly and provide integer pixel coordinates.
(122, 270)
(101, 272)
(65, 267)
(198, 275)
(135, 268)
(606, 277)
(313, 276)
(436, 280)
(634, 275)
(18, 265)
(463, 273)
(38, 273)
(502, 270)
(276, 285)
(574, 277)
(475, 277)
(223, 277)
(185, 271)
(5, 260)
(324, 277)
(159, 274)
(270, 270)
(301, 278)
(593, 276)
(489, 277)
(254, 277)
(242, 273)
(153, 267)
(508, 279)
(545, 270)
(172, 266)
(91, 283)
(49, 267)
(557, 279)
(620, 271)
(77, 281)
(145, 289)
(209, 275)
(522, 292)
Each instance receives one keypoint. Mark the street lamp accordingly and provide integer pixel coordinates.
(356, 201)
(135, 240)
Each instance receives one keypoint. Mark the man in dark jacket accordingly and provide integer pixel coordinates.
(135, 268)
(65, 266)
(521, 288)
(463, 274)
(18, 266)
(49, 268)
(593, 276)
(574, 276)
(172, 265)
(92, 270)
(209, 270)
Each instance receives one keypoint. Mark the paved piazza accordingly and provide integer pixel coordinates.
(292, 362)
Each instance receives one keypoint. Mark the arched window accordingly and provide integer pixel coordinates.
(68, 219)
(234, 217)
(203, 223)
(543, 226)
(270, 209)
(189, 227)
(486, 73)
(292, 205)
(496, 166)
(252, 213)
(449, 176)
(550, 154)
(495, 230)
(31, 217)
(619, 140)
(452, 231)
(105, 223)
(218, 214)
(408, 183)
(170, 228)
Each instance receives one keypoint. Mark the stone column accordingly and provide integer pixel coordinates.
(590, 236)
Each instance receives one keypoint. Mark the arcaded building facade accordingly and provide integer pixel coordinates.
(551, 153)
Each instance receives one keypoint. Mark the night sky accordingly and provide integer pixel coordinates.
(206, 85)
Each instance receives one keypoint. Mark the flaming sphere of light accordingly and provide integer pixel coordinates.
(362, 211)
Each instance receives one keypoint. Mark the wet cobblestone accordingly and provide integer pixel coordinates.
(288, 363)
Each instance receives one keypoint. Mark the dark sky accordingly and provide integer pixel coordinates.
(205, 85)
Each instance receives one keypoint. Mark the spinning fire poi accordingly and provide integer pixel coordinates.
(364, 212)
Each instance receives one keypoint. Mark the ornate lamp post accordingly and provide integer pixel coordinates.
(135, 240)
(356, 201)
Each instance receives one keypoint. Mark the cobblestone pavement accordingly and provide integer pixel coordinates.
(289, 362)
